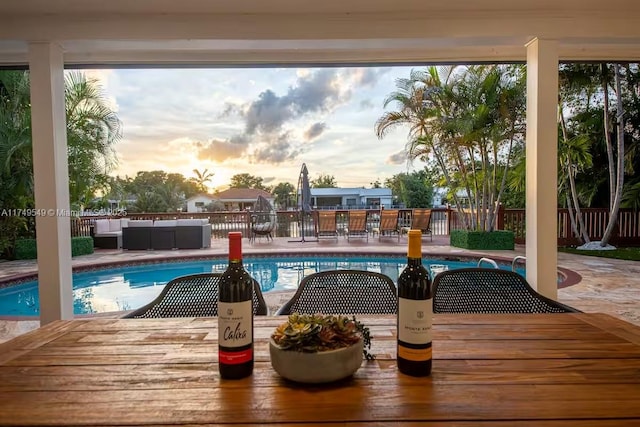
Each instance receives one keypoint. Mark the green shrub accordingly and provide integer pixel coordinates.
(26, 248)
(501, 239)
(81, 245)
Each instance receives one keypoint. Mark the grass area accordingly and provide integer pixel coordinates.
(630, 254)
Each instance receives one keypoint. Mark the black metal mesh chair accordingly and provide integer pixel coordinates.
(489, 290)
(194, 295)
(343, 292)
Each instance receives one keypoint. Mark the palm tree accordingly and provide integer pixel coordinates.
(201, 178)
(618, 175)
(92, 131)
(468, 119)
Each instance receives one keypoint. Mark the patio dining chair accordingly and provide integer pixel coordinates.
(421, 220)
(343, 292)
(489, 290)
(389, 223)
(195, 295)
(357, 225)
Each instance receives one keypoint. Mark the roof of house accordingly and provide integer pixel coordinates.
(360, 192)
(203, 195)
(243, 194)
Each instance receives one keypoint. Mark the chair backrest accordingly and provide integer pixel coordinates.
(389, 220)
(489, 290)
(357, 221)
(327, 222)
(195, 295)
(421, 219)
(344, 292)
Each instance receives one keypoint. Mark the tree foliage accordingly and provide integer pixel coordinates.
(92, 131)
(284, 193)
(468, 120)
(413, 190)
(245, 180)
(324, 181)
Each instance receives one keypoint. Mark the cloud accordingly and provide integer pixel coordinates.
(268, 113)
(315, 92)
(314, 131)
(275, 150)
(368, 76)
(397, 158)
(221, 150)
(366, 104)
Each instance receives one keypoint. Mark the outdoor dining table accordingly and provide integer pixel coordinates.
(575, 369)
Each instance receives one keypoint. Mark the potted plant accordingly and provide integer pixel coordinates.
(319, 348)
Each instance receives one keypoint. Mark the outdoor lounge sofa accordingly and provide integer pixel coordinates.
(193, 233)
(167, 234)
(107, 233)
(163, 234)
(137, 235)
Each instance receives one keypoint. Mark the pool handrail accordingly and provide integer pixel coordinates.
(516, 260)
(488, 261)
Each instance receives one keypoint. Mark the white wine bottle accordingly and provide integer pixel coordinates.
(415, 312)
(235, 315)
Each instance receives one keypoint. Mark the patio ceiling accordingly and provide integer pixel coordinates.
(254, 32)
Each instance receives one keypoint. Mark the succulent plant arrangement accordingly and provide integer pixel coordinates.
(318, 332)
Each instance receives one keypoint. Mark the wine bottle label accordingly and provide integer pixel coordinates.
(234, 331)
(414, 320)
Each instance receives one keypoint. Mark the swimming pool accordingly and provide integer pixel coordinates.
(129, 287)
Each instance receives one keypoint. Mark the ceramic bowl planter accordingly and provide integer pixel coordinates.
(318, 367)
(319, 348)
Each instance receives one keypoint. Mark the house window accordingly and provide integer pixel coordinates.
(351, 202)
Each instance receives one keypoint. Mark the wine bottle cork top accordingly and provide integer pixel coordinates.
(235, 235)
(235, 246)
(415, 244)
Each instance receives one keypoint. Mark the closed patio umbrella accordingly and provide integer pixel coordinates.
(304, 200)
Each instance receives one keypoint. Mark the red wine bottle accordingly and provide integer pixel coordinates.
(235, 315)
(415, 312)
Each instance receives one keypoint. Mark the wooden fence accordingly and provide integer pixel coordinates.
(627, 232)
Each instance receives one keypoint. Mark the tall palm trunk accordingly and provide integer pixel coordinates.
(607, 132)
(615, 205)
(581, 230)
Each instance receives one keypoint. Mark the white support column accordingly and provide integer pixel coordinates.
(542, 154)
(51, 181)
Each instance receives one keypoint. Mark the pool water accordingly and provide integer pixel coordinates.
(130, 287)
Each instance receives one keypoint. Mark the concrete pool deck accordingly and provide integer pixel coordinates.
(606, 285)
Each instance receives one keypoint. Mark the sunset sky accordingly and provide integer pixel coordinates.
(261, 121)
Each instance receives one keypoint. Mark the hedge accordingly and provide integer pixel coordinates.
(26, 248)
(500, 239)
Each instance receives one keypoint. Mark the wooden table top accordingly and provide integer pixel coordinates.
(575, 370)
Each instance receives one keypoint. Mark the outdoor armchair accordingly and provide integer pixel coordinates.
(489, 290)
(344, 292)
(421, 220)
(357, 224)
(327, 224)
(264, 219)
(195, 295)
(389, 223)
